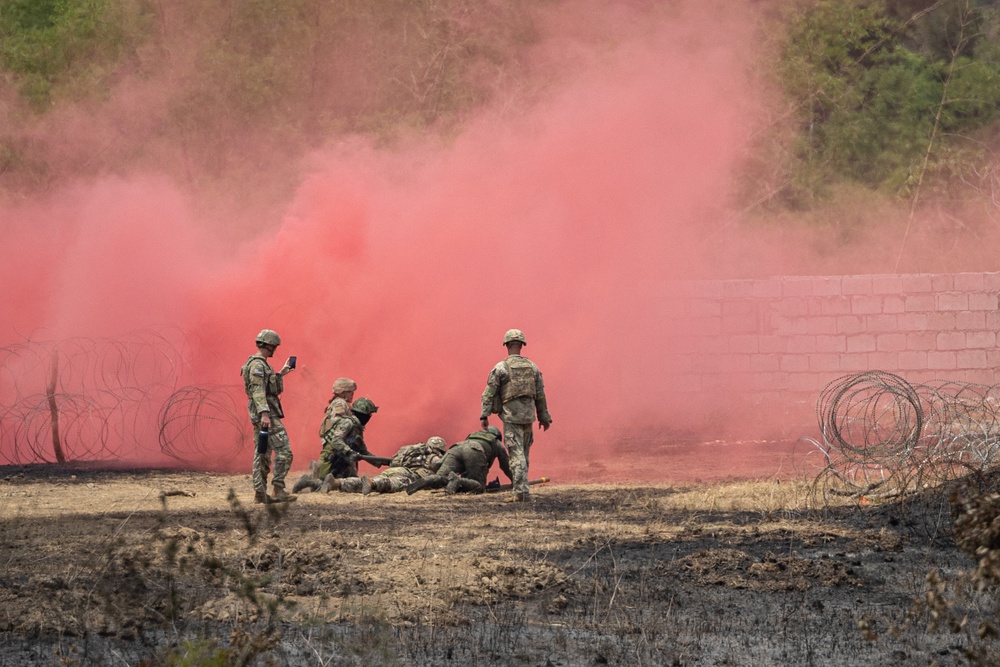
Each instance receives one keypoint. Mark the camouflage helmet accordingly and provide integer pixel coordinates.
(365, 406)
(495, 432)
(437, 443)
(268, 337)
(344, 385)
(514, 336)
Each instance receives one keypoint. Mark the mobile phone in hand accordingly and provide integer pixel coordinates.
(291, 362)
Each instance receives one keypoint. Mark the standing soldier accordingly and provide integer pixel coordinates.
(263, 388)
(514, 390)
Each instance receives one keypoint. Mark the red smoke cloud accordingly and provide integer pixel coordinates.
(402, 268)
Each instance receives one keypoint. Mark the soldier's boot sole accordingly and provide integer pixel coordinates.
(306, 483)
(417, 485)
(329, 484)
(366, 485)
(325, 486)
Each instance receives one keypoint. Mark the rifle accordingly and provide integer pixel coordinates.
(377, 461)
(495, 485)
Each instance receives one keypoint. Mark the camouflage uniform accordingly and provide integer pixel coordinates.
(263, 387)
(410, 464)
(514, 390)
(342, 441)
(469, 460)
(337, 406)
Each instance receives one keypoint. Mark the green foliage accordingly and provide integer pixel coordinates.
(244, 649)
(198, 653)
(877, 94)
(46, 42)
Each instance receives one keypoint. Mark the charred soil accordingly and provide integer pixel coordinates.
(165, 568)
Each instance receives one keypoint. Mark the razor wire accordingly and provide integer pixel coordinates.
(881, 435)
(111, 400)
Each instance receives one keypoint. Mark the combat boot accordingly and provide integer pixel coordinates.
(366, 485)
(261, 497)
(306, 483)
(329, 484)
(431, 482)
(280, 496)
(453, 482)
(469, 486)
(516, 498)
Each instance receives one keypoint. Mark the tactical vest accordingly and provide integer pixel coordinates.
(270, 384)
(520, 383)
(482, 441)
(482, 436)
(337, 407)
(412, 456)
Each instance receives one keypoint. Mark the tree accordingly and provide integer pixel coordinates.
(875, 111)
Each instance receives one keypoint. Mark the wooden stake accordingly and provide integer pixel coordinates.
(50, 393)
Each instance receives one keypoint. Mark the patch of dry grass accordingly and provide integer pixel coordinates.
(744, 572)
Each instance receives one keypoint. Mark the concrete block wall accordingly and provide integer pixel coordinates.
(793, 335)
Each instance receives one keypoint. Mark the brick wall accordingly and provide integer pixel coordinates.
(792, 335)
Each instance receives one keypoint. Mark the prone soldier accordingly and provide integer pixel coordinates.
(467, 463)
(411, 463)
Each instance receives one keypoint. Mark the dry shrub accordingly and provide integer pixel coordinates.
(967, 605)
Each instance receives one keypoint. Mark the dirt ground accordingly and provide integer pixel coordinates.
(180, 568)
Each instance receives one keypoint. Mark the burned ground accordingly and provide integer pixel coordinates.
(123, 566)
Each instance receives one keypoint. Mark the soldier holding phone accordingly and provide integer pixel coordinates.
(263, 389)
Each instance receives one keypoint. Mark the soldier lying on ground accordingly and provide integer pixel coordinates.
(343, 445)
(411, 463)
(466, 464)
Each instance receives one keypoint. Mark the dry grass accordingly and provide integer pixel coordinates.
(734, 573)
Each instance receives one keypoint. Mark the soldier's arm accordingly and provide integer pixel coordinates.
(503, 460)
(362, 447)
(336, 439)
(492, 387)
(541, 405)
(258, 392)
